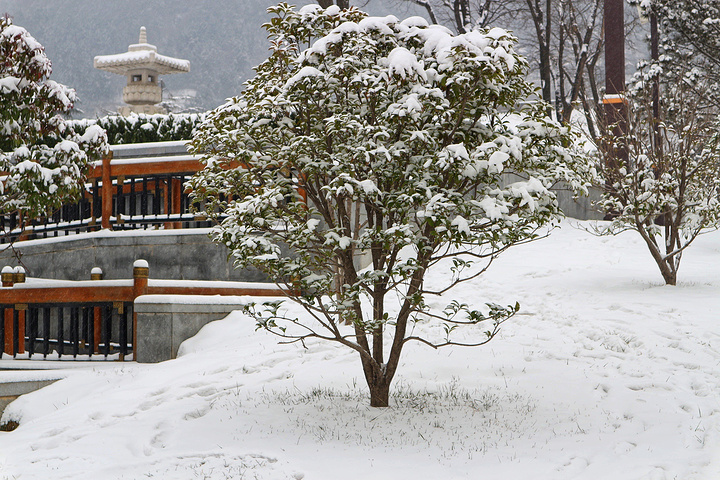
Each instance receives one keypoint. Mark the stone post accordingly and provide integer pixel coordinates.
(19, 275)
(141, 273)
(96, 273)
(7, 274)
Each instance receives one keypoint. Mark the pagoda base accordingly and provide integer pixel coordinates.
(127, 110)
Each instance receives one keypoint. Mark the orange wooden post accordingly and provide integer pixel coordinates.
(107, 193)
(8, 278)
(166, 189)
(9, 348)
(18, 275)
(141, 273)
(21, 309)
(177, 200)
(97, 324)
(24, 222)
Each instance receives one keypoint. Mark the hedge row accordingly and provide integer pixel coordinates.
(140, 128)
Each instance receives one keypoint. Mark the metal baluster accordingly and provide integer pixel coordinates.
(129, 309)
(156, 197)
(61, 330)
(74, 338)
(107, 327)
(90, 339)
(133, 205)
(119, 201)
(168, 193)
(46, 331)
(32, 329)
(123, 331)
(144, 198)
(16, 330)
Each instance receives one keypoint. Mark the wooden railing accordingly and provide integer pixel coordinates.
(142, 192)
(137, 192)
(94, 319)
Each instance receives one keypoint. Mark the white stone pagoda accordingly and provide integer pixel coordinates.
(142, 65)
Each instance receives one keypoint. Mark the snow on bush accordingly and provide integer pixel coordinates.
(42, 157)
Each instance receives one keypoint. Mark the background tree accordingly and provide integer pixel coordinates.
(464, 15)
(339, 3)
(668, 189)
(43, 160)
(564, 39)
(580, 29)
(690, 38)
(397, 135)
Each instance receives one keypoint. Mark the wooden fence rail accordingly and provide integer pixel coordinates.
(95, 319)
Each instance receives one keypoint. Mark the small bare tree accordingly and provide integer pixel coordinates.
(668, 188)
(580, 27)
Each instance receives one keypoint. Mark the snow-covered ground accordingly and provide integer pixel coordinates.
(604, 374)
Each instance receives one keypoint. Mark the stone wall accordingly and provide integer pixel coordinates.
(165, 321)
(172, 254)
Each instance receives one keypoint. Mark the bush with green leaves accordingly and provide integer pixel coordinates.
(374, 149)
(42, 157)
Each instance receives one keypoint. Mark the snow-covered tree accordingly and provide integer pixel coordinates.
(373, 150)
(692, 23)
(43, 160)
(668, 189)
(689, 38)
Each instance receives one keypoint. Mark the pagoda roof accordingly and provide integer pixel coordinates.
(141, 55)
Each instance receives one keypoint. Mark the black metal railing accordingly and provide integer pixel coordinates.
(71, 330)
(138, 202)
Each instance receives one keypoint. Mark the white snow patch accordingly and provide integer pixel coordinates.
(604, 373)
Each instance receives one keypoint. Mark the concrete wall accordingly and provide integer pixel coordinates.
(10, 390)
(165, 321)
(172, 254)
(579, 208)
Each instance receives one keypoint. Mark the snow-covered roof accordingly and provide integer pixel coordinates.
(141, 55)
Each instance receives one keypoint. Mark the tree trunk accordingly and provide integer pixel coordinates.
(379, 392)
(541, 16)
(669, 274)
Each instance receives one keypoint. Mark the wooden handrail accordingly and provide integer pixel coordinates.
(19, 294)
(158, 167)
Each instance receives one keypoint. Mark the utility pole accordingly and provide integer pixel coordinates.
(614, 101)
